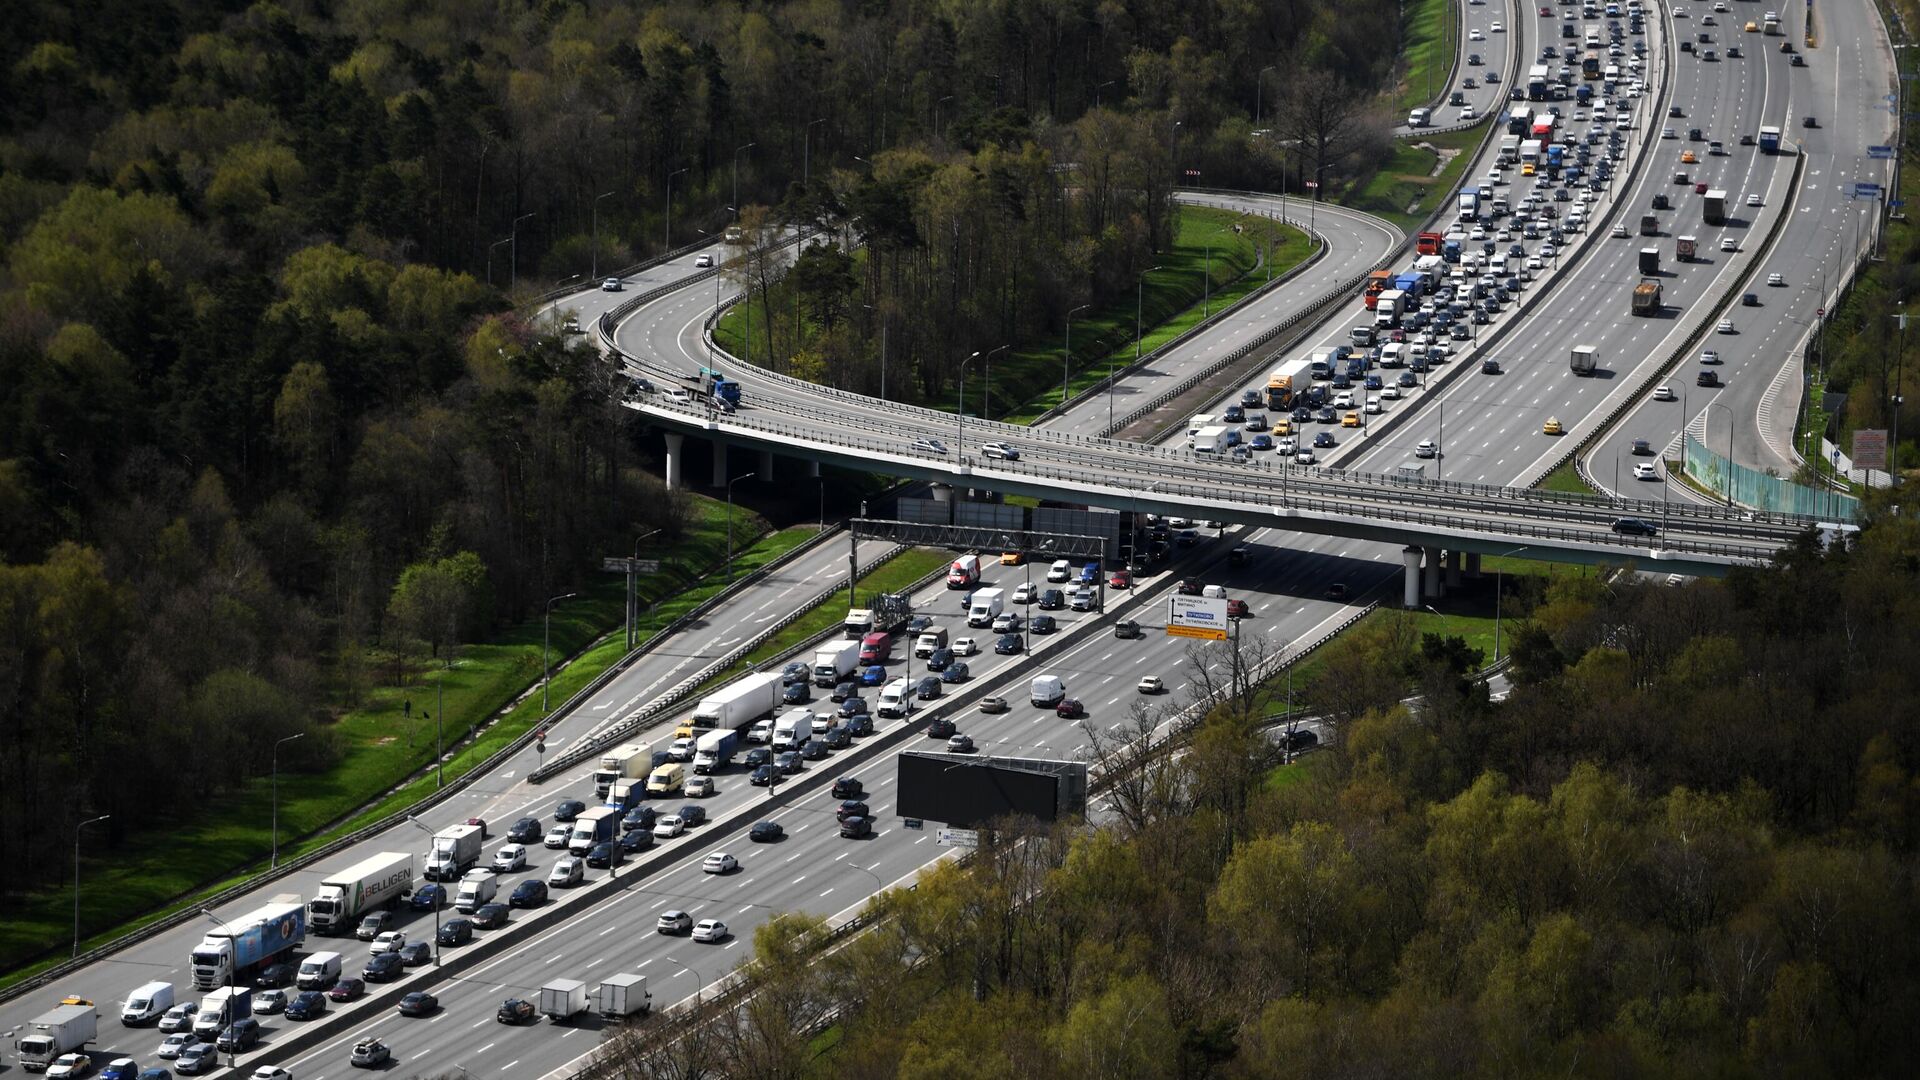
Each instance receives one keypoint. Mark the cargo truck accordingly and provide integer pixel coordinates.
(1683, 248)
(593, 826)
(220, 1008)
(1715, 211)
(455, 848)
(740, 702)
(986, 607)
(1771, 23)
(1279, 391)
(1390, 304)
(714, 749)
(793, 728)
(621, 764)
(62, 1031)
(1428, 243)
(236, 948)
(1211, 440)
(1411, 283)
(621, 996)
(1584, 362)
(1378, 281)
(627, 794)
(563, 999)
(381, 881)
(887, 612)
(1769, 140)
(1649, 225)
(831, 663)
(1509, 149)
(1649, 260)
(479, 886)
(1537, 83)
(1646, 298)
(1469, 205)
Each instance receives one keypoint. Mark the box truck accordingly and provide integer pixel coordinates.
(832, 663)
(621, 996)
(1684, 248)
(61, 1031)
(740, 702)
(1208, 440)
(1584, 362)
(624, 763)
(1649, 260)
(1715, 210)
(220, 1008)
(592, 827)
(455, 848)
(714, 749)
(987, 605)
(380, 881)
(563, 999)
(794, 727)
(479, 886)
(235, 948)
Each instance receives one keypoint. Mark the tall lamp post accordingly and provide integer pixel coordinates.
(276, 792)
(1066, 358)
(1260, 91)
(736, 173)
(233, 970)
(546, 643)
(730, 483)
(986, 396)
(960, 413)
(669, 206)
(633, 593)
(1139, 303)
(438, 901)
(76, 878)
(513, 253)
(1497, 582)
(594, 266)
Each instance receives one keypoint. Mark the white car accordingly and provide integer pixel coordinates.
(510, 858)
(930, 446)
(1753, 200)
(1725, 326)
(1467, 113)
(1003, 451)
(720, 863)
(1645, 471)
(703, 260)
(171, 1046)
(1026, 593)
(1498, 28)
(1390, 392)
(761, 732)
(391, 941)
(1373, 402)
(699, 787)
(1303, 456)
(669, 827)
(1343, 400)
(1475, 35)
(1776, 279)
(1286, 445)
(565, 872)
(1664, 392)
(271, 1072)
(679, 395)
(70, 1065)
(557, 836)
(612, 284)
(709, 931)
(1425, 449)
(1150, 684)
(1619, 232)
(965, 646)
(1709, 356)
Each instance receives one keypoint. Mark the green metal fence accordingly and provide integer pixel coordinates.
(1751, 487)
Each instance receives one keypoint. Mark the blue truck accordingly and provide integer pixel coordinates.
(1769, 140)
(714, 749)
(715, 387)
(239, 947)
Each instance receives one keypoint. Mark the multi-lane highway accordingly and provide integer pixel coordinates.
(1484, 57)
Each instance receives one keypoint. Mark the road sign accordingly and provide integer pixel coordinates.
(1881, 152)
(959, 838)
(619, 565)
(1197, 617)
(1870, 448)
(1866, 191)
(1820, 312)
(912, 823)
(1200, 632)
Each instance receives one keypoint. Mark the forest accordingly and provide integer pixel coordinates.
(275, 426)
(1684, 845)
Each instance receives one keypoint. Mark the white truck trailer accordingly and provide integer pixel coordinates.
(381, 881)
(740, 702)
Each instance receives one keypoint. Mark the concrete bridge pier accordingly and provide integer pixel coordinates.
(676, 449)
(766, 466)
(719, 464)
(1410, 581)
(1473, 564)
(1456, 563)
(813, 473)
(1431, 585)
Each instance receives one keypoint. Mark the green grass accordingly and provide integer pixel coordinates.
(1281, 777)
(386, 759)
(1428, 47)
(1405, 190)
(894, 575)
(1565, 478)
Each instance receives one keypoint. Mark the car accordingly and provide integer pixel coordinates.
(370, 1054)
(269, 1002)
(1664, 392)
(1498, 27)
(1628, 526)
(789, 763)
(929, 446)
(495, 916)
(1045, 624)
(1709, 356)
(373, 925)
(197, 1058)
(960, 744)
(1322, 440)
(692, 814)
(842, 690)
(1724, 326)
(390, 941)
(1237, 609)
(179, 1018)
(120, 1068)
(431, 895)
(958, 671)
(965, 646)
(171, 1046)
(276, 975)
(1007, 645)
(766, 832)
(1351, 419)
(1003, 451)
(642, 817)
(1053, 599)
(1641, 447)
(763, 775)
(1552, 427)
(70, 1065)
(383, 966)
(1303, 456)
(480, 823)
(856, 828)
(1407, 381)
(938, 660)
(669, 827)
(873, 675)
(568, 809)
(635, 842)
(241, 1035)
(1798, 60)
(939, 728)
(515, 1011)
(1809, 122)
(1645, 470)
(861, 725)
(797, 693)
(611, 284)
(719, 863)
(673, 921)
(853, 706)
(529, 893)
(1706, 378)
(1070, 709)
(510, 858)
(418, 1003)
(993, 705)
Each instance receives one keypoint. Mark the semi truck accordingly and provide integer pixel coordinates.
(831, 663)
(380, 881)
(1649, 260)
(1584, 362)
(1279, 391)
(714, 749)
(1378, 281)
(621, 996)
(237, 947)
(593, 826)
(623, 763)
(1684, 248)
(888, 612)
(1429, 243)
(740, 702)
(1646, 298)
(1715, 210)
(986, 607)
(563, 999)
(1769, 140)
(1211, 440)
(63, 1030)
(1537, 83)
(455, 848)
(710, 384)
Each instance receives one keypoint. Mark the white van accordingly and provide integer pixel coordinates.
(1046, 691)
(1419, 118)
(896, 700)
(1061, 569)
(1216, 592)
(964, 573)
(318, 971)
(146, 1004)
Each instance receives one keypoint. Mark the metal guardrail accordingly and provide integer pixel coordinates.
(636, 268)
(1513, 36)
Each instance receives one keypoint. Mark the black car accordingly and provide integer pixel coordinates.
(306, 1005)
(797, 671)
(1706, 378)
(241, 1035)
(789, 762)
(1007, 644)
(851, 808)
(515, 1011)
(568, 809)
(958, 670)
(757, 757)
(415, 953)
(1627, 526)
(847, 787)
(927, 689)
(814, 749)
(454, 932)
(529, 893)
(853, 706)
(859, 725)
(383, 967)
(635, 842)
(845, 689)
(693, 814)
(526, 831)
(1323, 439)
(837, 738)
(856, 828)
(427, 897)
(1126, 628)
(1489, 366)
(1043, 624)
(939, 728)
(1302, 414)
(762, 776)
(766, 832)
(1053, 599)
(600, 856)
(938, 660)
(346, 990)
(919, 624)
(640, 817)
(798, 693)
(418, 1003)
(274, 976)
(491, 916)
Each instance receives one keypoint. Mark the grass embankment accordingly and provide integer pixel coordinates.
(1566, 478)
(894, 575)
(1026, 381)
(386, 756)
(1405, 189)
(1429, 41)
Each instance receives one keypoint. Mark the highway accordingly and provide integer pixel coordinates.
(1496, 51)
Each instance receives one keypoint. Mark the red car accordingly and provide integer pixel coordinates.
(1700, 188)
(1237, 609)
(482, 822)
(1120, 580)
(1545, 12)
(1070, 709)
(346, 989)
(1191, 586)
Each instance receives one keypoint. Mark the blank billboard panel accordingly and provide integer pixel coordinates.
(968, 792)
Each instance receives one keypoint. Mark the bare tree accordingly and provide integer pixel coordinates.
(1143, 782)
(1324, 116)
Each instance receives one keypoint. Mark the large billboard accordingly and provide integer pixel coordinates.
(1197, 617)
(967, 792)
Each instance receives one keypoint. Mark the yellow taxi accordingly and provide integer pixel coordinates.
(1351, 419)
(1283, 428)
(1526, 169)
(1751, 27)
(1688, 158)
(1552, 427)
(1012, 558)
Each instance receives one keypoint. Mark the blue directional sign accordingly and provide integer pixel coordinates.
(1866, 190)
(1896, 202)
(1880, 151)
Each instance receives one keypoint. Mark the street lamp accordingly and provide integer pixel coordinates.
(233, 968)
(960, 413)
(76, 878)
(1097, 89)
(490, 250)
(276, 792)
(736, 174)
(986, 397)
(438, 901)
(1139, 302)
(1260, 91)
(513, 253)
(546, 642)
(1496, 601)
(730, 483)
(669, 237)
(594, 272)
(699, 980)
(1066, 358)
(633, 594)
